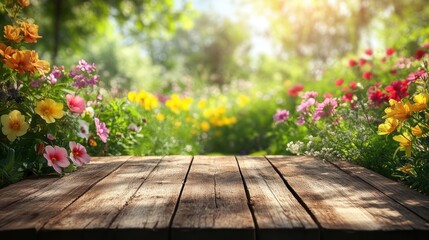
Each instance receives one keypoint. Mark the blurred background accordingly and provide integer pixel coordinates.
(255, 54)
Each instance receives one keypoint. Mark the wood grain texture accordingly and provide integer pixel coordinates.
(278, 213)
(90, 216)
(149, 213)
(24, 218)
(345, 207)
(417, 203)
(213, 204)
(23, 189)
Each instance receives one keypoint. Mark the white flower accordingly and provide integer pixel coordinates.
(88, 111)
(83, 130)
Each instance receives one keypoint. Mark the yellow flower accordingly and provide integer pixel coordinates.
(147, 100)
(407, 168)
(132, 96)
(404, 143)
(398, 110)
(160, 117)
(205, 126)
(389, 125)
(177, 104)
(416, 131)
(202, 104)
(242, 100)
(420, 102)
(14, 125)
(12, 33)
(49, 110)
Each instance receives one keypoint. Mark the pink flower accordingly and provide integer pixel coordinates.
(57, 157)
(281, 116)
(78, 154)
(102, 131)
(326, 108)
(76, 104)
(300, 120)
(305, 104)
(310, 94)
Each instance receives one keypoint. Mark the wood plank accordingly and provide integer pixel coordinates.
(213, 204)
(345, 207)
(22, 189)
(149, 213)
(416, 202)
(90, 216)
(24, 218)
(278, 213)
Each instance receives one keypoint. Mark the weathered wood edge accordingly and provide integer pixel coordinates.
(407, 197)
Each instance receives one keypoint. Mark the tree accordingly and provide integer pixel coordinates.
(66, 25)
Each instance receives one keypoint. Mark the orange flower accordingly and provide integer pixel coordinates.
(27, 61)
(31, 32)
(20, 61)
(6, 51)
(24, 3)
(12, 33)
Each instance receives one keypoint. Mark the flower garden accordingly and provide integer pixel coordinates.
(369, 108)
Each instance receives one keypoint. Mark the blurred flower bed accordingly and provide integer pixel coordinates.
(375, 114)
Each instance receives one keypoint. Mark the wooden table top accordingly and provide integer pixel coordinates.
(213, 197)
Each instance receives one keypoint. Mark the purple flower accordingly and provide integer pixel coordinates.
(55, 75)
(281, 116)
(102, 131)
(83, 75)
(325, 109)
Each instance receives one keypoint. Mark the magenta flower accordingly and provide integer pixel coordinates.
(78, 154)
(102, 131)
(281, 116)
(76, 104)
(325, 109)
(57, 157)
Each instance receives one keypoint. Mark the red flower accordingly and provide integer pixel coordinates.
(293, 92)
(367, 75)
(339, 82)
(390, 51)
(393, 71)
(397, 89)
(348, 97)
(353, 85)
(376, 95)
(419, 54)
(362, 61)
(352, 63)
(368, 52)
